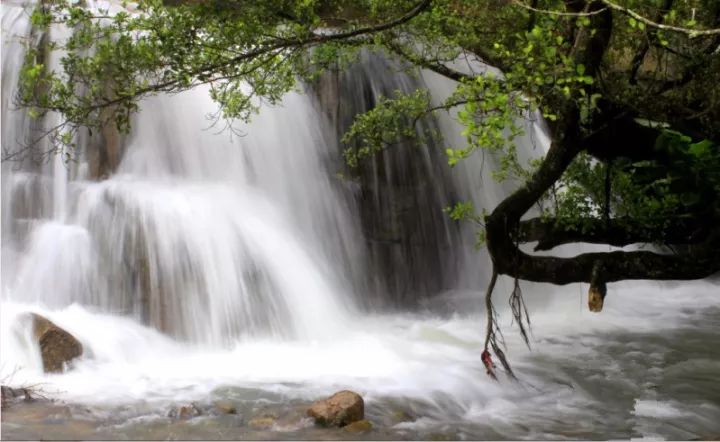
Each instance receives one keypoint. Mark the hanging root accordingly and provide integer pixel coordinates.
(489, 365)
(493, 335)
(519, 312)
(490, 331)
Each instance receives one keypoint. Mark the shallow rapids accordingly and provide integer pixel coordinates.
(639, 369)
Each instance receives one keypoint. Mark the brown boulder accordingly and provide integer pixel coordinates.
(57, 347)
(338, 410)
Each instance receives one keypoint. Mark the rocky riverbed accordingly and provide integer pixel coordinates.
(264, 418)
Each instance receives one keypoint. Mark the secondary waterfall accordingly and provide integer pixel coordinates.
(206, 264)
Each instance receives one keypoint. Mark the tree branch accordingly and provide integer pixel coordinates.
(558, 13)
(438, 68)
(619, 233)
(281, 44)
(692, 33)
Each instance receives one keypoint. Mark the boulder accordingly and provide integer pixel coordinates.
(339, 410)
(57, 346)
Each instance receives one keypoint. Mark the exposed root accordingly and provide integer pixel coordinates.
(519, 312)
(493, 336)
(28, 392)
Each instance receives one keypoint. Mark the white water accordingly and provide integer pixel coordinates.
(242, 255)
(592, 374)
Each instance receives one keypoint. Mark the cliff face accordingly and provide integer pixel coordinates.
(401, 192)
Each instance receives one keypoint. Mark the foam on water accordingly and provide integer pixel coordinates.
(434, 360)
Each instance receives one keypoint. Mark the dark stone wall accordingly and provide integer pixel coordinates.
(401, 192)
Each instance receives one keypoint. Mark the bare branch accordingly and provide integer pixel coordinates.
(559, 13)
(692, 33)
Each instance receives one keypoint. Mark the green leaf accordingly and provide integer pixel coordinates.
(701, 148)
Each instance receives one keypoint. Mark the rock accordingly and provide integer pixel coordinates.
(261, 423)
(57, 346)
(10, 394)
(184, 412)
(226, 407)
(340, 409)
(358, 427)
(402, 416)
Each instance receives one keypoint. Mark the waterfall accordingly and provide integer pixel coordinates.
(197, 264)
(207, 237)
(412, 245)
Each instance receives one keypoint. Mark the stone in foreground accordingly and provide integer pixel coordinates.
(57, 346)
(339, 410)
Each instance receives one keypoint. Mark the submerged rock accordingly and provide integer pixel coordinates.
(57, 346)
(225, 407)
(339, 410)
(262, 423)
(358, 427)
(184, 412)
(403, 416)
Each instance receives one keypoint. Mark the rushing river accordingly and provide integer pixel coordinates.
(646, 367)
(239, 268)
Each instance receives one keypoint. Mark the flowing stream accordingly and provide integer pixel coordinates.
(218, 266)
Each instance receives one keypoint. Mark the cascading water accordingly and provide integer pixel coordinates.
(401, 190)
(213, 266)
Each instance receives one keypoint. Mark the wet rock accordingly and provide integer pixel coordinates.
(340, 409)
(10, 395)
(402, 416)
(261, 423)
(57, 346)
(184, 412)
(358, 427)
(225, 407)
